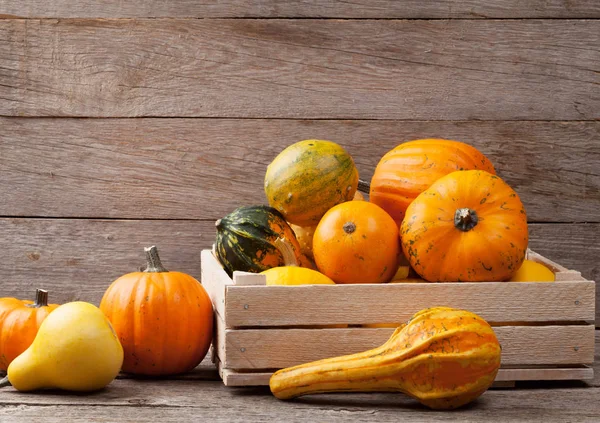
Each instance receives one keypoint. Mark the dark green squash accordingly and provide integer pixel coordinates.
(246, 240)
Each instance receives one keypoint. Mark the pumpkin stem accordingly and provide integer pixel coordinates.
(465, 219)
(349, 227)
(364, 186)
(5, 382)
(41, 299)
(153, 261)
(287, 251)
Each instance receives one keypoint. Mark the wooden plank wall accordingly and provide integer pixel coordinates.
(125, 124)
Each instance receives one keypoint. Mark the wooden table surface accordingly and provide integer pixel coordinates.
(201, 396)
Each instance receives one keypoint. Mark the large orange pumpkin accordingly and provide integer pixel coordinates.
(356, 242)
(411, 167)
(468, 226)
(19, 324)
(163, 319)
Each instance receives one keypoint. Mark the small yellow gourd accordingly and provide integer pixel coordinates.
(532, 271)
(75, 349)
(293, 274)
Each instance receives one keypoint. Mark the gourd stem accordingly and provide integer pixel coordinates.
(364, 186)
(349, 227)
(153, 260)
(465, 219)
(41, 299)
(287, 251)
(5, 382)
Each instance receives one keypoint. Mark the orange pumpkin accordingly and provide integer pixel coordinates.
(19, 324)
(411, 167)
(163, 319)
(356, 242)
(468, 226)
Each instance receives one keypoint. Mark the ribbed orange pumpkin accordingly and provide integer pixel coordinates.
(19, 324)
(411, 167)
(163, 319)
(443, 357)
(468, 226)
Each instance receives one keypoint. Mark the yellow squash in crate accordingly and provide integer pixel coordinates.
(532, 271)
(293, 274)
(443, 357)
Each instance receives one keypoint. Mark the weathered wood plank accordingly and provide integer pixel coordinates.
(170, 401)
(596, 366)
(505, 378)
(380, 9)
(576, 247)
(278, 348)
(79, 258)
(172, 168)
(393, 303)
(383, 69)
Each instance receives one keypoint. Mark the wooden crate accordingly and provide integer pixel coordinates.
(546, 329)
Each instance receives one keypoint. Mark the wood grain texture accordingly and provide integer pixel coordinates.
(76, 259)
(506, 378)
(215, 279)
(382, 69)
(596, 366)
(379, 9)
(393, 303)
(576, 247)
(190, 401)
(205, 168)
(278, 348)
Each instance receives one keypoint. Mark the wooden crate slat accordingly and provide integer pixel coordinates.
(235, 378)
(278, 348)
(359, 304)
(214, 279)
(550, 373)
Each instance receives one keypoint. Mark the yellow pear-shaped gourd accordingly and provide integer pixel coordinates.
(75, 349)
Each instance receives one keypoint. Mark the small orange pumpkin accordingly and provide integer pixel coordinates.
(468, 226)
(356, 242)
(163, 319)
(19, 324)
(411, 167)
